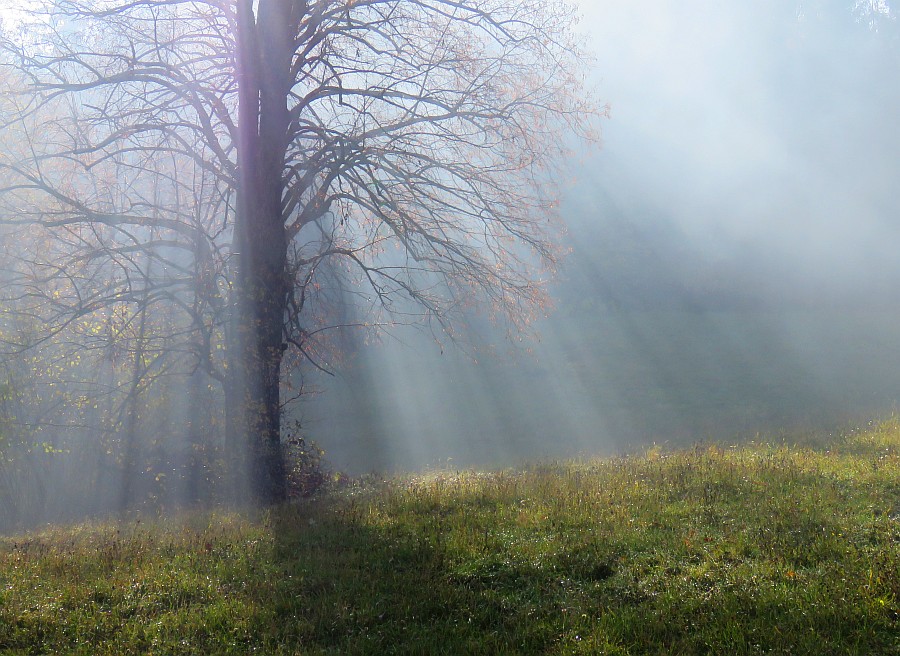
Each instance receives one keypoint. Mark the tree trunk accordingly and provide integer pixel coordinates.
(261, 243)
(260, 312)
(253, 410)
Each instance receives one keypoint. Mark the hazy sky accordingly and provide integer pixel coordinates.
(757, 132)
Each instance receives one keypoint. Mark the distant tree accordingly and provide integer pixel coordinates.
(860, 19)
(411, 147)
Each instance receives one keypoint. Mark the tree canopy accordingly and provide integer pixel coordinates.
(260, 173)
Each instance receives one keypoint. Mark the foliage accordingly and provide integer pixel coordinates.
(761, 548)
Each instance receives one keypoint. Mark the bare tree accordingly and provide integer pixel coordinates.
(412, 145)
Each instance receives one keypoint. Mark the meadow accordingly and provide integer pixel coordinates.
(757, 548)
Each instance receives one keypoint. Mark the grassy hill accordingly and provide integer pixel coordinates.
(754, 549)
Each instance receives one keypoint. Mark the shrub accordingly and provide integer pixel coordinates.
(307, 470)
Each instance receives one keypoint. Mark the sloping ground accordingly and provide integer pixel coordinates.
(752, 549)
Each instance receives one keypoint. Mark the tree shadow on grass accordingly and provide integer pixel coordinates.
(425, 579)
(349, 587)
(353, 578)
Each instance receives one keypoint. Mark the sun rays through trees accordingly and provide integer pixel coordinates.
(232, 182)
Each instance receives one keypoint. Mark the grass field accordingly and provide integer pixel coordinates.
(755, 549)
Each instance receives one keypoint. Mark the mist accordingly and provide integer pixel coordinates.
(730, 267)
(733, 266)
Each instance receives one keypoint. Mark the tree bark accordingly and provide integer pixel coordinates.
(261, 242)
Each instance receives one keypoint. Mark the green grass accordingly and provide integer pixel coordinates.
(755, 549)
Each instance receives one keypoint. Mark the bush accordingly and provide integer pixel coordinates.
(307, 470)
